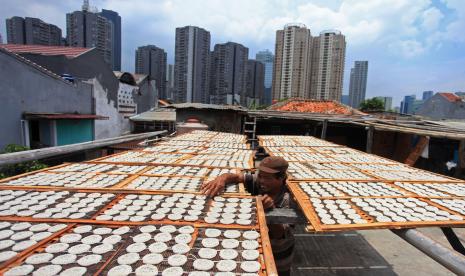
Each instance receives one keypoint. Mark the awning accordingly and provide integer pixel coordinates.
(63, 116)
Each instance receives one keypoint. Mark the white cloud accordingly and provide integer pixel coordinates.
(407, 48)
(431, 19)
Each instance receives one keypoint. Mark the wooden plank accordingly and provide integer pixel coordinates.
(417, 150)
(31, 155)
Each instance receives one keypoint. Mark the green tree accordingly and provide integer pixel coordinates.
(374, 104)
(11, 170)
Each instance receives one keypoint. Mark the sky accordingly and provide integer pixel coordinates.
(411, 45)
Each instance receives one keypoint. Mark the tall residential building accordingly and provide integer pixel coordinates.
(32, 31)
(427, 95)
(292, 68)
(89, 29)
(267, 58)
(169, 81)
(255, 83)
(151, 60)
(1, 39)
(115, 20)
(228, 73)
(345, 99)
(328, 65)
(387, 101)
(358, 83)
(406, 106)
(191, 64)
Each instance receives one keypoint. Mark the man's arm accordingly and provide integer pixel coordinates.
(217, 185)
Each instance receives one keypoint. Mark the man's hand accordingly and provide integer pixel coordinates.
(213, 187)
(267, 202)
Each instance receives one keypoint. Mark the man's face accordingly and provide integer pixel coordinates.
(268, 182)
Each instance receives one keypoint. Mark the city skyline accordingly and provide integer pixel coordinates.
(422, 53)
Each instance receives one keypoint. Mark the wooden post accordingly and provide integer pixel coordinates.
(461, 160)
(370, 134)
(323, 130)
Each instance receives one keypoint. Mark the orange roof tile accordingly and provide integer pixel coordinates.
(451, 97)
(313, 106)
(70, 52)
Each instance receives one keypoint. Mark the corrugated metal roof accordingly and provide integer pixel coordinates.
(70, 52)
(208, 106)
(165, 115)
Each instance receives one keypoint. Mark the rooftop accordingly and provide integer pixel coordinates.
(451, 97)
(70, 52)
(314, 106)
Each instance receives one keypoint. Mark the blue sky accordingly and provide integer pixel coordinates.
(411, 45)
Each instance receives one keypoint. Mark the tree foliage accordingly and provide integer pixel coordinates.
(374, 104)
(11, 170)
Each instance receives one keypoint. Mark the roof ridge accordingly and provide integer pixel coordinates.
(34, 65)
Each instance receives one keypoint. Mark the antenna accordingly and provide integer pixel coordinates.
(85, 5)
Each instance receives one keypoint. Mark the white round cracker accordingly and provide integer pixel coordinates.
(102, 248)
(39, 258)
(48, 270)
(152, 258)
(64, 259)
(210, 242)
(228, 254)
(173, 271)
(250, 266)
(232, 234)
(207, 253)
(250, 255)
(203, 264)
(136, 247)
(21, 270)
(158, 247)
(23, 245)
(89, 260)
(120, 270)
(6, 255)
(229, 243)
(251, 235)
(146, 270)
(180, 248)
(177, 260)
(226, 265)
(79, 249)
(128, 259)
(56, 247)
(74, 271)
(212, 232)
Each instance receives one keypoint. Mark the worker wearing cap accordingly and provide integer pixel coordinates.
(269, 183)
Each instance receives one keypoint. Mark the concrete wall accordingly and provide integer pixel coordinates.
(217, 120)
(26, 89)
(116, 125)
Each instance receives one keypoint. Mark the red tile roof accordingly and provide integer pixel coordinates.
(451, 97)
(314, 106)
(70, 52)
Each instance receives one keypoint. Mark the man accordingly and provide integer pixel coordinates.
(270, 185)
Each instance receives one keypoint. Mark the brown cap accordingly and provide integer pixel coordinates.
(273, 164)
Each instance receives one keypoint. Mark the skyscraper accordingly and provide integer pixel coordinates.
(255, 83)
(151, 60)
(328, 65)
(427, 95)
(228, 73)
(89, 29)
(170, 81)
(115, 20)
(407, 104)
(267, 58)
(32, 31)
(358, 83)
(1, 39)
(191, 64)
(292, 68)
